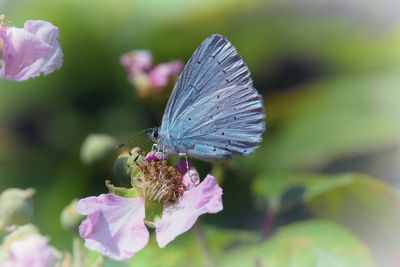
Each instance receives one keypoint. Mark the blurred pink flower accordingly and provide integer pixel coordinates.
(162, 73)
(145, 76)
(29, 51)
(26, 247)
(138, 61)
(115, 225)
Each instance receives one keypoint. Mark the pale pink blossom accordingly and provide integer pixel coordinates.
(30, 51)
(147, 77)
(162, 73)
(26, 247)
(115, 225)
(138, 61)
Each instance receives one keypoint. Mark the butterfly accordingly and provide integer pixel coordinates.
(214, 111)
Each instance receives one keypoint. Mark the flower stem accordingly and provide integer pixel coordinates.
(99, 261)
(271, 211)
(199, 235)
(76, 252)
(268, 225)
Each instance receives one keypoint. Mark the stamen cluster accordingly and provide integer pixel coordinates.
(159, 182)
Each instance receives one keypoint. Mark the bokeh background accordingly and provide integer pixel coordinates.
(323, 186)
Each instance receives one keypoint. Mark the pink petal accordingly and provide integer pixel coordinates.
(30, 51)
(179, 217)
(161, 74)
(53, 60)
(138, 61)
(114, 226)
(175, 67)
(21, 49)
(33, 251)
(190, 179)
(156, 156)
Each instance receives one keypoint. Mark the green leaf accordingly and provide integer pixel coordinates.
(309, 243)
(370, 209)
(121, 191)
(347, 115)
(199, 247)
(363, 204)
(271, 187)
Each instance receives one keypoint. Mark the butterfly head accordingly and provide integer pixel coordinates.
(153, 134)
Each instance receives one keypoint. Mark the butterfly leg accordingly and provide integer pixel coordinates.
(154, 147)
(187, 165)
(162, 157)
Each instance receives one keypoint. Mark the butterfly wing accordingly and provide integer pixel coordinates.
(214, 112)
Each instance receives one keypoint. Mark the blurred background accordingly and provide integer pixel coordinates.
(323, 186)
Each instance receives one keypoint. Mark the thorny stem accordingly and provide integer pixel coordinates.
(199, 235)
(268, 224)
(268, 227)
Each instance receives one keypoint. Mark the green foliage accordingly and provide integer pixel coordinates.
(310, 243)
(199, 247)
(332, 118)
(121, 191)
(363, 204)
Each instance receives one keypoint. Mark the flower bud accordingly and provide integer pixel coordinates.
(16, 206)
(96, 147)
(125, 164)
(70, 219)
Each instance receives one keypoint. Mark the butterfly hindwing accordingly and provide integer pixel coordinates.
(214, 111)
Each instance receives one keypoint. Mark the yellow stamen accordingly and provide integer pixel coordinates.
(159, 182)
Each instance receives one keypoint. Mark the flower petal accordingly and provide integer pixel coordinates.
(161, 74)
(137, 61)
(156, 156)
(190, 178)
(21, 49)
(180, 216)
(30, 51)
(114, 226)
(33, 251)
(53, 60)
(25, 246)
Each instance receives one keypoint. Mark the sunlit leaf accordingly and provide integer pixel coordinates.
(369, 207)
(199, 247)
(330, 119)
(309, 243)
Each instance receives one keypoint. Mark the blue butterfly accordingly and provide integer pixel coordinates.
(214, 111)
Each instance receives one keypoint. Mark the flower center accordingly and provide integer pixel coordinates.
(159, 182)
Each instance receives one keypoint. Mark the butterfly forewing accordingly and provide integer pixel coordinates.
(214, 111)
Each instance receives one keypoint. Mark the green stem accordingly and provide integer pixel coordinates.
(76, 252)
(99, 261)
(199, 235)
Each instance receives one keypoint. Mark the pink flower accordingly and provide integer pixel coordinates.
(162, 73)
(116, 226)
(26, 247)
(135, 62)
(29, 51)
(145, 76)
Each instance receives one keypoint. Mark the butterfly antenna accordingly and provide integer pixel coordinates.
(141, 149)
(133, 137)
